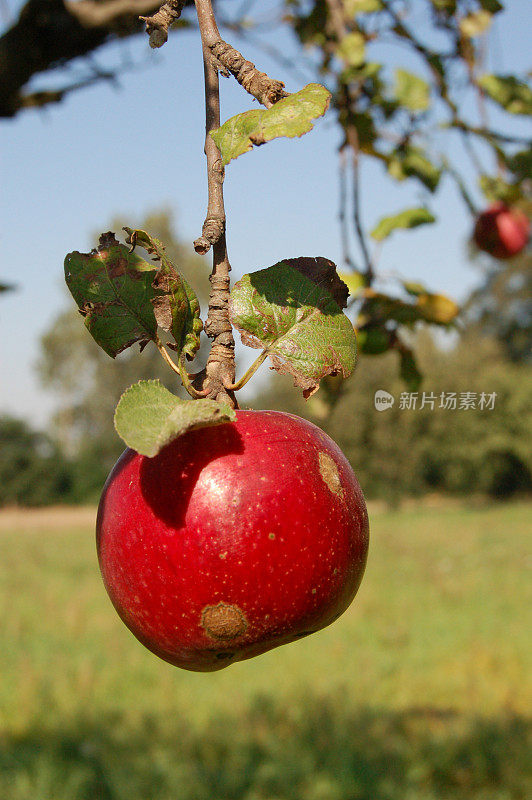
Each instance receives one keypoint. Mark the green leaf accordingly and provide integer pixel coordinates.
(296, 320)
(520, 164)
(352, 49)
(437, 308)
(475, 24)
(148, 416)
(432, 308)
(414, 288)
(409, 370)
(509, 92)
(374, 341)
(6, 287)
(493, 6)
(411, 91)
(354, 7)
(177, 306)
(114, 292)
(355, 281)
(409, 218)
(411, 162)
(291, 116)
(497, 189)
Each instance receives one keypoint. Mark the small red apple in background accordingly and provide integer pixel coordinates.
(233, 540)
(501, 231)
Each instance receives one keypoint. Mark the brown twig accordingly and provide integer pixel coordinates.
(342, 211)
(157, 25)
(220, 368)
(368, 264)
(263, 88)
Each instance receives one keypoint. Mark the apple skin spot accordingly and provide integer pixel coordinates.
(252, 491)
(329, 473)
(223, 621)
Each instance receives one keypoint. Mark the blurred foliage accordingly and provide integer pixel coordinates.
(501, 307)
(33, 471)
(400, 451)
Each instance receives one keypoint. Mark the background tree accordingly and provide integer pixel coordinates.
(501, 307)
(459, 449)
(33, 471)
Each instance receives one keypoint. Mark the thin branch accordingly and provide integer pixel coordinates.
(338, 19)
(273, 52)
(342, 211)
(220, 368)
(158, 24)
(263, 88)
(369, 272)
(49, 34)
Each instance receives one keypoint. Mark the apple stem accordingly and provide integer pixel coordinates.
(181, 371)
(234, 387)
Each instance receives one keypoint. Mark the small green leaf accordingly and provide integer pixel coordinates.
(509, 92)
(409, 218)
(296, 320)
(352, 49)
(493, 6)
(354, 7)
(374, 341)
(475, 24)
(411, 91)
(176, 307)
(114, 292)
(291, 116)
(355, 281)
(498, 189)
(411, 162)
(148, 416)
(437, 308)
(520, 164)
(414, 288)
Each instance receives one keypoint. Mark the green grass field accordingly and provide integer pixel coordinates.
(422, 690)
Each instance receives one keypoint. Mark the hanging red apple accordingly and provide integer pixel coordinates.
(501, 231)
(233, 540)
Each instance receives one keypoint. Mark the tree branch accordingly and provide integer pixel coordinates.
(158, 24)
(220, 368)
(92, 14)
(265, 89)
(49, 33)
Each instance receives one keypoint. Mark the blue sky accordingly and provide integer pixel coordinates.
(68, 171)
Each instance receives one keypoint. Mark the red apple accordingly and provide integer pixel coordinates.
(501, 231)
(234, 539)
